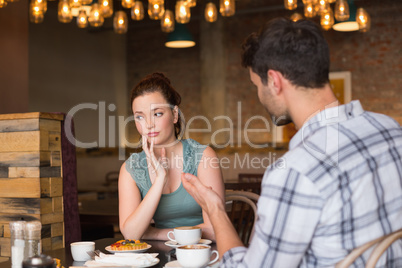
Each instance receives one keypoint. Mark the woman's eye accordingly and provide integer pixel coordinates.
(139, 117)
(158, 114)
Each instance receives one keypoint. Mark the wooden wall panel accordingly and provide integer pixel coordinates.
(31, 183)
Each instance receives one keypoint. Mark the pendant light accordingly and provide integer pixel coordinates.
(64, 11)
(321, 7)
(75, 3)
(120, 22)
(82, 19)
(42, 4)
(211, 13)
(36, 15)
(182, 12)
(137, 12)
(296, 16)
(3, 3)
(309, 10)
(127, 3)
(180, 37)
(191, 3)
(155, 9)
(95, 17)
(327, 19)
(227, 7)
(290, 4)
(86, 2)
(341, 10)
(106, 7)
(363, 20)
(167, 21)
(350, 24)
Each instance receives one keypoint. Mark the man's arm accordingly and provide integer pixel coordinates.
(213, 205)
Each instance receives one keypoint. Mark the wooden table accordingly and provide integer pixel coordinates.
(166, 254)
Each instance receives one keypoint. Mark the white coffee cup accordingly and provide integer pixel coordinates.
(198, 255)
(79, 250)
(186, 235)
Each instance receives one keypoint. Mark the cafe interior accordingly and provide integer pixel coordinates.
(66, 77)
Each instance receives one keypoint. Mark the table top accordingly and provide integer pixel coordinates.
(166, 253)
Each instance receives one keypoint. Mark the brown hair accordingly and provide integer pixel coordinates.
(158, 82)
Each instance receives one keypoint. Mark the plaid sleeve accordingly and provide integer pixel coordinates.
(289, 210)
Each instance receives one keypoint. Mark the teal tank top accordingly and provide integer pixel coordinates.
(177, 208)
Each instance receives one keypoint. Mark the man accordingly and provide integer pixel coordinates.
(340, 184)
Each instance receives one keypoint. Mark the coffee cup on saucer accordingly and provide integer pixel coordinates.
(185, 235)
(198, 255)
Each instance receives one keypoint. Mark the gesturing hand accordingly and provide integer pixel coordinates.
(205, 196)
(155, 166)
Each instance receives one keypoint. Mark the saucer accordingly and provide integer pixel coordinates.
(174, 244)
(176, 264)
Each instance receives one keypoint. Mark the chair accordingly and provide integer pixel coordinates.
(242, 211)
(383, 243)
(254, 187)
(250, 177)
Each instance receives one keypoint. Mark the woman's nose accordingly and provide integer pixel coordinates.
(150, 123)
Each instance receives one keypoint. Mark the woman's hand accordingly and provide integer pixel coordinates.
(156, 167)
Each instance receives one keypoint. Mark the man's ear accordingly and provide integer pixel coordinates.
(275, 81)
(175, 114)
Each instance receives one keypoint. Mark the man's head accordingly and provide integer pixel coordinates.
(297, 50)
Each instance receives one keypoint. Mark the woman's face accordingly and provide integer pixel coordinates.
(154, 118)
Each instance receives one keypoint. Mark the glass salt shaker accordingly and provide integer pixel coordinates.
(32, 239)
(17, 243)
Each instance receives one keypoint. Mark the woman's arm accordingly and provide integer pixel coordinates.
(210, 175)
(135, 215)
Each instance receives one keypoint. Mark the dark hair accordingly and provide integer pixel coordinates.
(298, 50)
(158, 82)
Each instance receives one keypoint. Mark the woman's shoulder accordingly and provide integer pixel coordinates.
(136, 164)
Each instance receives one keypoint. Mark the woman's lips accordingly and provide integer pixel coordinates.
(153, 134)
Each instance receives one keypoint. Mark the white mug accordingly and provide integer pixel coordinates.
(198, 255)
(186, 235)
(79, 250)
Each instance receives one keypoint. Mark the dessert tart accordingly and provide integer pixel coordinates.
(123, 245)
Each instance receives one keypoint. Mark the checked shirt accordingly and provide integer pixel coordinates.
(338, 187)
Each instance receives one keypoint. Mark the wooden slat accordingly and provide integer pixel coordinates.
(19, 125)
(5, 250)
(1, 230)
(55, 159)
(52, 218)
(50, 172)
(46, 244)
(23, 159)
(23, 172)
(20, 187)
(54, 141)
(6, 229)
(57, 242)
(3, 172)
(20, 205)
(3, 259)
(50, 125)
(19, 141)
(51, 187)
(5, 217)
(57, 229)
(44, 141)
(58, 204)
(46, 205)
(31, 115)
(45, 158)
(46, 231)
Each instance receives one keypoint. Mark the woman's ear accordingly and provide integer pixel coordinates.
(175, 114)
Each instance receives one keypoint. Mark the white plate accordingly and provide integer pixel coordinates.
(108, 248)
(176, 264)
(174, 244)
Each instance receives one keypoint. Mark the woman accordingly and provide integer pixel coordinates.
(150, 182)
